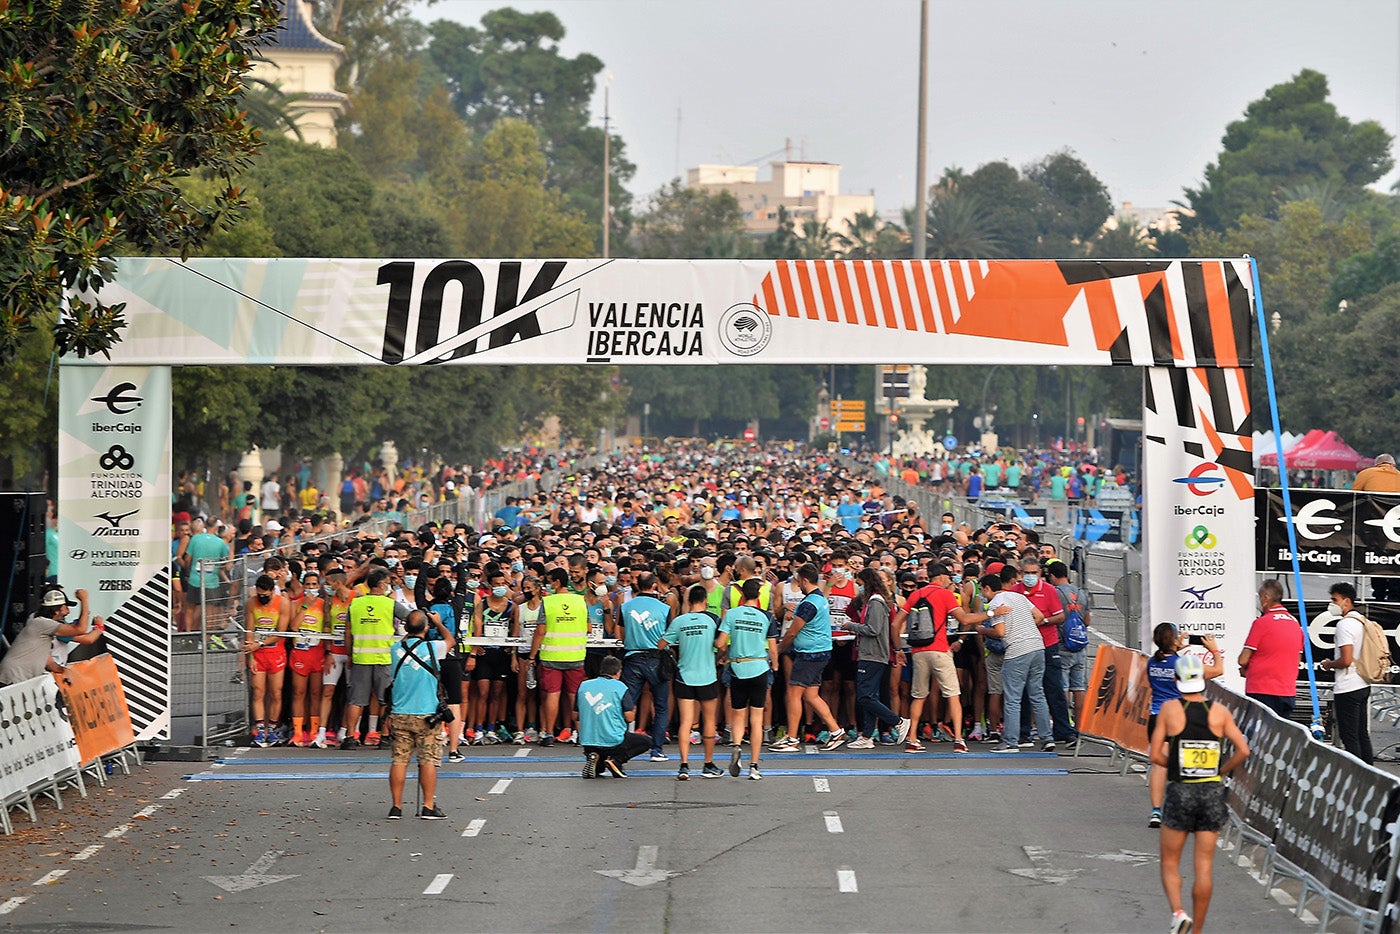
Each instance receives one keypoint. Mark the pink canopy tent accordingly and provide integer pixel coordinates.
(1321, 451)
(1271, 458)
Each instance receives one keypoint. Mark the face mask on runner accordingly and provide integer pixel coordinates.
(601, 590)
(264, 598)
(517, 566)
(410, 581)
(707, 573)
(610, 580)
(473, 583)
(498, 591)
(947, 527)
(957, 578)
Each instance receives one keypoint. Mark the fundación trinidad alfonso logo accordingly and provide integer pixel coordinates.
(1200, 537)
(1204, 480)
(745, 329)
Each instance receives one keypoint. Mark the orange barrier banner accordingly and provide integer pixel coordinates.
(97, 708)
(1119, 698)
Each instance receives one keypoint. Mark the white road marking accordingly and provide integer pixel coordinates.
(833, 822)
(51, 877)
(522, 753)
(438, 884)
(821, 784)
(88, 852)
(170, 795)
(846, 880)
(474, 827)
(809, 750)
(216, 765)
(10, 904)
(148, 811)
(116, 832)
(500, 787)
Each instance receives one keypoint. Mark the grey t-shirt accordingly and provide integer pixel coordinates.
(29, 652)
(1022, 637)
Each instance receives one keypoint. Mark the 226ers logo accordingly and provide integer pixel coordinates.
(1204, 480)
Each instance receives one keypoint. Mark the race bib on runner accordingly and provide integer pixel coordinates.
(1198, 758)
(495, 631)
(306, 639)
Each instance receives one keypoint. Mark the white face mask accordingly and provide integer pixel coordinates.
(707, 573)
(601, 590)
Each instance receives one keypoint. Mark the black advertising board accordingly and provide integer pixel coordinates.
(1324, 522)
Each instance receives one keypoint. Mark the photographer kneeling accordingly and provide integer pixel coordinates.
(415, 723)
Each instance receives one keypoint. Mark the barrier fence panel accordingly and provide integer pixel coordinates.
(1119, 699)
(37, 747)
(97, 711)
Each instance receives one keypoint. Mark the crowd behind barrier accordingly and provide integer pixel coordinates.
(1316, 814)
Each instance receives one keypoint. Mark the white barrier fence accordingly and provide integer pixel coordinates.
(38, 751)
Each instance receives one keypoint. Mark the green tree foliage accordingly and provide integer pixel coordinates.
(1291, 136)
(1053, 209)
(105, 107)
(1363, 394)
(29, 407)
(511, 67)
(322, 199)
(1367, 272)
(680, 222)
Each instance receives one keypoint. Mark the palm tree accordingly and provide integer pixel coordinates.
(1332, 199)
(862, 232)
(957, 226)
(816, 241)
(270, 108)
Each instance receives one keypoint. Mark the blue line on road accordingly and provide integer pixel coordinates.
(639, 773)
(546, 760)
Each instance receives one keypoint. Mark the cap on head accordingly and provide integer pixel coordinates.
(54, 598)
(1190, 674)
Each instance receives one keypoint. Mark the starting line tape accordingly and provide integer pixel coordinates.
(546, 760)
(638, 773)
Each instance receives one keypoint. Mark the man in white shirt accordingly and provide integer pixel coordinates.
(1350, 692)
(271, 496)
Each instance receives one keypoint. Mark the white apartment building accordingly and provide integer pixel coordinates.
(809, 191)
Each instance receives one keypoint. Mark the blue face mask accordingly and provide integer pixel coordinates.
(410, 581)
(1030, 580)
(947, 527)
(498, 591)
(610, 579)
(957, 578)
(517, 566)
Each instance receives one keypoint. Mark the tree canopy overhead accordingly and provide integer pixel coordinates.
(104, 108)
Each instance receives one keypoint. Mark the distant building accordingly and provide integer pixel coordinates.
(809, 191)
(301, 61)
(1151, 220)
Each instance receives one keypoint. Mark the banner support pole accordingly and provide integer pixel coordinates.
(1262, 322)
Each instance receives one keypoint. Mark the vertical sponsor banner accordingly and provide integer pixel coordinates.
(114, 521)
(1198, 515)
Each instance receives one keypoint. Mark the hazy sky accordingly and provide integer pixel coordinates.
(1141, 91)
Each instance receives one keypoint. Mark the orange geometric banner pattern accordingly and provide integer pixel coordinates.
(1119, 698)
(97, 707)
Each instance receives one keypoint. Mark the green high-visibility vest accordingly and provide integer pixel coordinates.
(566, 628)
(372, 627)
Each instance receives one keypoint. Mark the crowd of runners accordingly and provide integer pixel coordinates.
(887, 627)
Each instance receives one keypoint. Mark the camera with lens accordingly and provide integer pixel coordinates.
(443, 714)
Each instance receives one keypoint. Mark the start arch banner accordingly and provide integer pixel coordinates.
(1189, 323)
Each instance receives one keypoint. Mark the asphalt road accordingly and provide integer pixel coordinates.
(296, 840)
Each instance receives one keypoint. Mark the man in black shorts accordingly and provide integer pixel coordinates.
(750, 636)
(697, 683)
(1188, 742)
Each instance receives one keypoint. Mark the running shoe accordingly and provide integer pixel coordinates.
(505, 735)
(913, 745)
(711, 770)
(372, 739)
(518, 738)
(1048, 747)
(323, 742)
(531, 734)
(1026, 744)
(350, 741)
(260, 737)
(901, 732)
(281, 736)
(395, 813)
(658, 756)
(959, 746)
(331, 742)
(489, 738)
(300, 740)
(546, 739)
(768, 734)
(824, 737)
(925, 732)
(694, 737)
(786, 744)
(864, 742)
(614, 769)
(754, 774)
(1154, 820)
(478, 737)
(976, 734)
(683, 773)
(566, 735)
(809, 737)
(886, 738)
(1181, 923)
(836, 742)
(852, 735)
(945, 734)
(1005, 748)
(432, 813)
(455, 756)
(734, 763)
(993, 736)
(590, 765)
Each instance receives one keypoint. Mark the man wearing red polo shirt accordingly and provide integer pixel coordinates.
(1046, 599)
(1269, 660)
